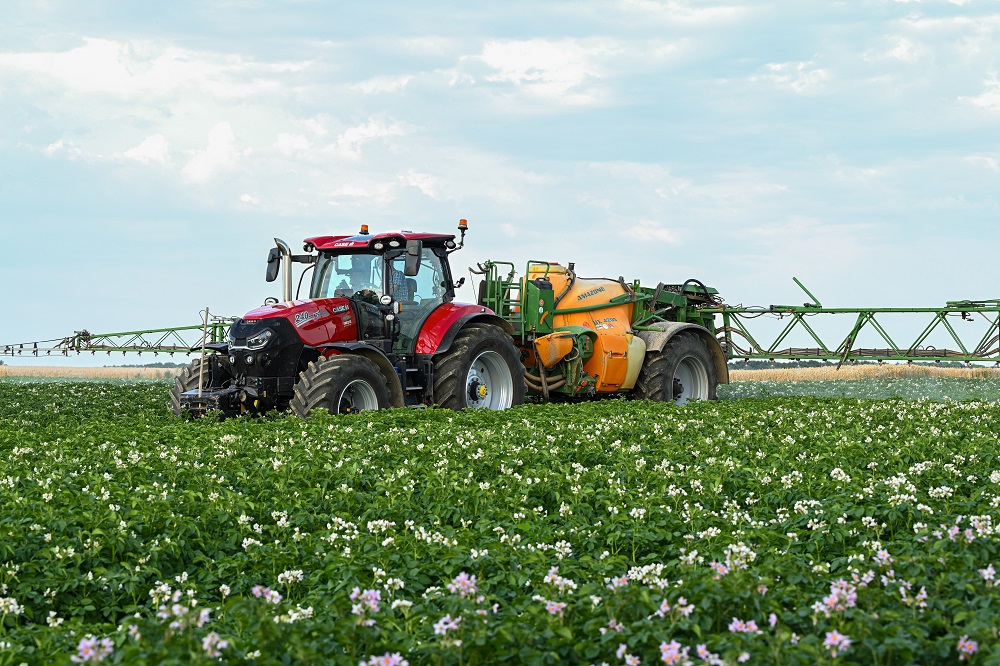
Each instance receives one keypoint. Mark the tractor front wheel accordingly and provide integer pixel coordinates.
(481, 369)
(190, 377)
(343, 384)
(682, 371)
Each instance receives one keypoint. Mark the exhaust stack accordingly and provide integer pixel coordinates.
(286, 269)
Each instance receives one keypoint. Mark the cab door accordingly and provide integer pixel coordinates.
(418, 295)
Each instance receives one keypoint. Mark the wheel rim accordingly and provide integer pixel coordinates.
(489, 383)
(690, 381)
(357, 396)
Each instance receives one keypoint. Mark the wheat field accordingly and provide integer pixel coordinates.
(886, 371)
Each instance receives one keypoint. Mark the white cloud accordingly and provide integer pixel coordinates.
(990, 163)
(989, 98)
(140, 70)
(219, 155)
(650, 230)
(801, 76)
(350, 141)
(60, 147)
(799, 232)
(425, 183)
(383, 84)
(898, 48)
(684, 13)
(154, 149)
(567, 70)
(289, 144)
(250, 199)
(359, 193)
(316, 126)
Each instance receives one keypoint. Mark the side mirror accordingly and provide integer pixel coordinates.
(413, 250)
(273, 264)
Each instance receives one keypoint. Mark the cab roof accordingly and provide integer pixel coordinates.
(368, 240)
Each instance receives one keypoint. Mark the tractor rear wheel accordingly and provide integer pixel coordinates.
(481, 369)
(345, 384)
(682, 371)
(191, 375)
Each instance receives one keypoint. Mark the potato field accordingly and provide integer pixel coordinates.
(766, 529)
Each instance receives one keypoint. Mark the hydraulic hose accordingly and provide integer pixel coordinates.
(569, 285)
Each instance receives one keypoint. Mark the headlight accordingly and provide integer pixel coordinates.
(260, 340)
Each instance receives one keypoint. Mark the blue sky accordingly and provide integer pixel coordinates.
(150, 152)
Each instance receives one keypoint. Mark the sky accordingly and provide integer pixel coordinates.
(151, 152)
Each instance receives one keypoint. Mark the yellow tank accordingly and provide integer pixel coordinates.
(610, 362)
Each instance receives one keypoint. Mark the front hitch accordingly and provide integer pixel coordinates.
(225, 400)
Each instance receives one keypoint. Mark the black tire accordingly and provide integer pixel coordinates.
(189, 377)
(344, 384)
(481, 369)
(683, 370)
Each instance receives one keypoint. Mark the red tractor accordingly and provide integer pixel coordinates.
(380, 328)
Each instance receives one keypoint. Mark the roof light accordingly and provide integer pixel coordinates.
(364, 229)
(463, 225)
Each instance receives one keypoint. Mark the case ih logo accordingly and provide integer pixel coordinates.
(306, 317)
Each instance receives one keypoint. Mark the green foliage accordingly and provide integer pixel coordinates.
(546, 529)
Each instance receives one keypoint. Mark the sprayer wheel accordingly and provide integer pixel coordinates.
(189, 377)
(682, 371)
(481, 369)
(345, 384)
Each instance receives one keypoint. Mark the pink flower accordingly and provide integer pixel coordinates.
(92, 650)
(738, 626)
(675, 653)
(213, 645)
(836, 641)
(446, 624)
(683, 607)
(967, 647)
(762, 590)
(616, 582)
(555, 607)
(613, 625)
(368, 603)
(463, 585)
(394, 659)
(772, 620)
(719, 568)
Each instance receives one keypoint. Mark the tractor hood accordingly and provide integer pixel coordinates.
(314, 321)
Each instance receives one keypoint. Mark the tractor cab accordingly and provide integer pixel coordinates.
(394, 281)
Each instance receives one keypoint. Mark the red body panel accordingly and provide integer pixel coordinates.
(438, 323)
(316, 321)
(333, 242)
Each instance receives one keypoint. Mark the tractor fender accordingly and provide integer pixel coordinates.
(376, 356)
(662, 333)
(440, 329)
